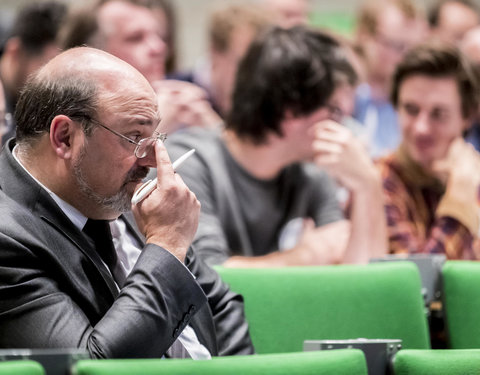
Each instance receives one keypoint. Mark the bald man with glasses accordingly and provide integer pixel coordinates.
(77, 269)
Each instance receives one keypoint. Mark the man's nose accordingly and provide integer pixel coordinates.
(157, 45)
(149, 160)
(421, 124)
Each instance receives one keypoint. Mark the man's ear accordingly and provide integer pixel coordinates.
(12, 46)
(62, 134)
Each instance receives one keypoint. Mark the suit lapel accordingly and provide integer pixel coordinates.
(21, 187)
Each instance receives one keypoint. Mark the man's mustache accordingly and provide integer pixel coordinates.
(137, 174)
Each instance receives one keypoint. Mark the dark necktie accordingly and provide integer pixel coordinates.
(99, 232)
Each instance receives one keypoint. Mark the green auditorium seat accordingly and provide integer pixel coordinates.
(461, 296)
(21, 368)
(438, 362)
(285, 306)
(338, 362)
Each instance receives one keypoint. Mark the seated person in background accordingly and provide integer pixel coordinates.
(342, 100)
(30, 44)
(288, 13)
(449, 20)
(261, 181)
(470, 46)
(384, 32)
(431, 183)
(131, 30)
(231, 30)
(86, 137)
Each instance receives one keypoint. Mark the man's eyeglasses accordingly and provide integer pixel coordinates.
(335, 113)
(143, 146)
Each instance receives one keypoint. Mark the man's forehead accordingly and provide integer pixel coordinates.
(428, 90)
(115, 16)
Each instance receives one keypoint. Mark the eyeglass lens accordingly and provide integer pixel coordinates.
(147, 144)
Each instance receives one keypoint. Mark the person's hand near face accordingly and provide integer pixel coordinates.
(168, 217)
(342, 155)
(460, 171)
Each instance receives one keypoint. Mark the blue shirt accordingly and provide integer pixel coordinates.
(473, 136)
(380, 120)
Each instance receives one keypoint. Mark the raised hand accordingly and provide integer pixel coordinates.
(168, 217)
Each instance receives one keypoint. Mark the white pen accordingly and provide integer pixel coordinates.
(150, 185)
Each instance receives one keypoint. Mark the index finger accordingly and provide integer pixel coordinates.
(164, 164)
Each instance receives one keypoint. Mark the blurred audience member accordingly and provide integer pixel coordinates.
(470, 45)
(165, 13)
(431, 183)
(385, 30)
(346, 79)
(30, 44)
(262, 181)
(451, 19)
(130, 30)
(289, 13)
(231, 30)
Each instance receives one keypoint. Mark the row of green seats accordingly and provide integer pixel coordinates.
(461, 299)
(286, 306)
(339, 362)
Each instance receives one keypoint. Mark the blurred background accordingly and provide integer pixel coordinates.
(192, 16)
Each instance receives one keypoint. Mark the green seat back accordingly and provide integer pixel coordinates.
(461, 295)
(285, 306)
(21, 368)
(337, 21)
(438, 362)
(339, 362)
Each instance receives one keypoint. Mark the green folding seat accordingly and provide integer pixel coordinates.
(21, 367)
(438, 362)
(461, 299)
(285, 306)
(338, 362)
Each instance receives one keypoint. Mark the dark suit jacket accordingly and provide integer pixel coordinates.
(55, 292)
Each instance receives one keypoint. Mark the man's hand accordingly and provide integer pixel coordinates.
(168, 217)
(183, 104)
(460, 170)
(343, 156)
(461, 162)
